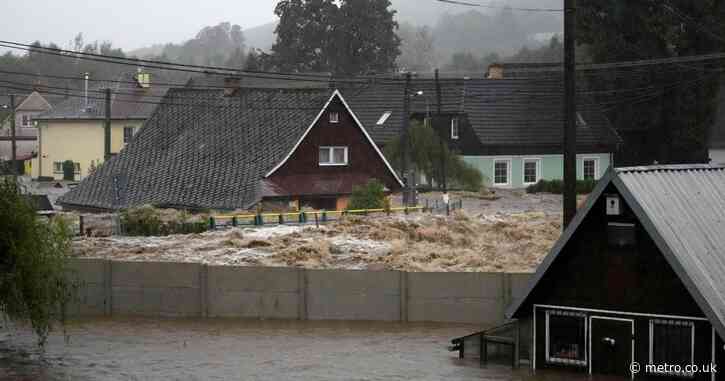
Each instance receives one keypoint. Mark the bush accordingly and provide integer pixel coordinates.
(69, 170)
(369, 196)
(557, 186)
(35, 281)
(147, 221)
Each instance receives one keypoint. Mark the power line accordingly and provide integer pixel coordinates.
(490, 6)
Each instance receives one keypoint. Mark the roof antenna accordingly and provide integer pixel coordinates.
(85, 93)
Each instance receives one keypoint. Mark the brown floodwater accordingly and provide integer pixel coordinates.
(173, 349)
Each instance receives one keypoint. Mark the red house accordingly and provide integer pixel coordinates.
(334, 155)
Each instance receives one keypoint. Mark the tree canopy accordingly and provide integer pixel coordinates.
(672, 124)
(35, 284)
(354, 37)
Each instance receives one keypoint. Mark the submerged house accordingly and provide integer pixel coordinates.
(234, 148)
(638, 277)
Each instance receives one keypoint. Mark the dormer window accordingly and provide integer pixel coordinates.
(334, 117)
(454, 129)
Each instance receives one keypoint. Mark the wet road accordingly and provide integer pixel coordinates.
(153, 349)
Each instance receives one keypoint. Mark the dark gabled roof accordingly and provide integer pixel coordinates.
(682, 207)
(128, 101)
(202, 150)
(505, 112)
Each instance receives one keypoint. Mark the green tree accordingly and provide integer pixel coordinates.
(674, 121)
(355, 37)
(35, 284)
(427, 153)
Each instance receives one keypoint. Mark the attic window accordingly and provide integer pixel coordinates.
(580, 122)
(334, 117)
(384, 118)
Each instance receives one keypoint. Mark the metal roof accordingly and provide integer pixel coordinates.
(682, 207)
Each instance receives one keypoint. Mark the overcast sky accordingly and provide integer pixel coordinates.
(130, 24)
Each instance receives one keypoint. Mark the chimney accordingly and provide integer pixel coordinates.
(143, 79)
(495, 71)
(231, 85)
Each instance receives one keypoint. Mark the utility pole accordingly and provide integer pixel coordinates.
(404, 139)
(443, 144)
(107, 128)
(14, 143)
(569, 111)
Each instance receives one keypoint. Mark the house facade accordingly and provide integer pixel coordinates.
(510, 129)
(240, 148)
(635, 279)
(75, 129)
(26, 132)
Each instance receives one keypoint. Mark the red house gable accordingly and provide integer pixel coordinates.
(334, 155)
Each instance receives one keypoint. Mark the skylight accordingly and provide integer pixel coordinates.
(384, 118)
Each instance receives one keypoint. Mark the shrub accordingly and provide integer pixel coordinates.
(35, 281)
(368, 196)
(557, 186)
(147, 221)
(69, 170)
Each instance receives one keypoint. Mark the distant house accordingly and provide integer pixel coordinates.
(26, 110)
(638, 277)
(74, 129)
(232, 148)
(508, 128)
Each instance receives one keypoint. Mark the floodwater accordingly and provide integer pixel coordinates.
(173, 349)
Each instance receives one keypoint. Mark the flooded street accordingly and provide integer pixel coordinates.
(158, 349)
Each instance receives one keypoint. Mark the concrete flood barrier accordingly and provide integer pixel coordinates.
(166, 289)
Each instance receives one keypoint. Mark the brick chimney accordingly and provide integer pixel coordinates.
(495, 71)
(231, 85)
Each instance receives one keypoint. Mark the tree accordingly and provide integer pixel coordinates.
(355, 37)
(426, 153)
(368, 196)
(673, 123)
(553, 52)
(34, 277)
(468, 62)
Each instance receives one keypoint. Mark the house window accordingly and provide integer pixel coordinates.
(501, 171)
(27, 121)
(532, 171)
(566, 334)
(672, 342)
(334, 117)
(127, 134)
(384, 118)
(57, 167)
(591, 168)
(454, 129)
(331, 156)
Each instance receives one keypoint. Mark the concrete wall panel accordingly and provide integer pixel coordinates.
(353, 295)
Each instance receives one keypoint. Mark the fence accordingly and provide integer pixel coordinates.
(197, 290)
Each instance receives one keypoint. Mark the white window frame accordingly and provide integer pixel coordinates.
(384, 118)
(455, 129)
(334, 117)
(580, 120)
(331, 163)
(508, 172)
(685, 323)
(596, 167)
(525, 160)
(76, 167)
(26, 118)
(133, 133)
(56, 165)
(560, 361)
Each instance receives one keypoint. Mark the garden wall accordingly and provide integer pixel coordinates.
(196, 290)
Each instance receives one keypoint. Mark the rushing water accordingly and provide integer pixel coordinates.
(159, 349)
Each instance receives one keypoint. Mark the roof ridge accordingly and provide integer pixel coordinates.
(671, 167)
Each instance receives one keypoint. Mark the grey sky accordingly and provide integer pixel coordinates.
(132, 24)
